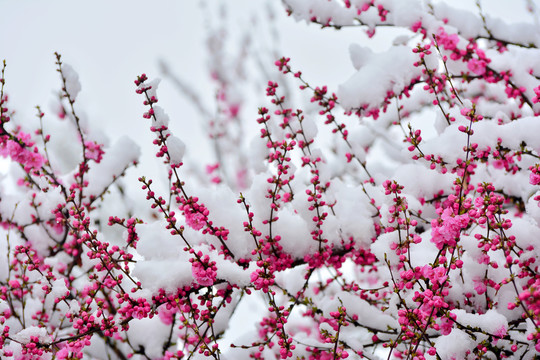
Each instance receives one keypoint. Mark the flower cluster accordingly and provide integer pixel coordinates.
(396, 217)
(21, 150)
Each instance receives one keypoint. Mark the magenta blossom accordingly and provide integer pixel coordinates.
(477, 66)
(23, 155)
(447, 231)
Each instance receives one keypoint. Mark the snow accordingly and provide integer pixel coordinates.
(322, 9)
(486, 133)
(513, 185)
(532, 208)
(468, 23)
(165, 264)
(157, 242)
(153, 85)
(492, 322)
(74, 307)
(454, 345)
(24, 336)
(295, 233)
(73, 85)
(161, 118)
(371, 316)
(404, 12)
(4, 266)
(152, 341)
(176, 149)
(258, 154)
(352, 218)
(59, 289)
(420, 181)
(512, 134)
(163, 273)
(380, 247)
(360, 56)
(527, 234)
(391, 70)
(524, 33)
(231, 272)
(310, 129)
(122, 154)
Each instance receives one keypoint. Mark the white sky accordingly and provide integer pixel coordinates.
(110, 42)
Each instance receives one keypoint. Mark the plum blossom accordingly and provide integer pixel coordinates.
(479, 286)
(477, 66)
(448, 42)
(534, 177)
(446, 230)
(205, 276)
(94, 151)
(500, 333)
(340, 262)
(261, 280)
(447, 324)
(167, 315)
(195, 215)
(22, 155)
(536, 97)
(437, 275)
(195, 220)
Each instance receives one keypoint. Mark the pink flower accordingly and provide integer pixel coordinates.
(22, 155)
(498, 164)
(234, 109)
(537, 97)
(534, 178)
(33, 160)
(261, 280)
(195, 220)
(501, 331)
(204, 276)
(62, 354)
(166, 315)
(447, 324)
(70, 347)
(448, 42)
(477, 66)
(440, 274)
(480, 287)
(448, 231)
(139, 313)
(93, 151)
(417, 25)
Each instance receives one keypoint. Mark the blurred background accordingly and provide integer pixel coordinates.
(185, 43)
(109, 43)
